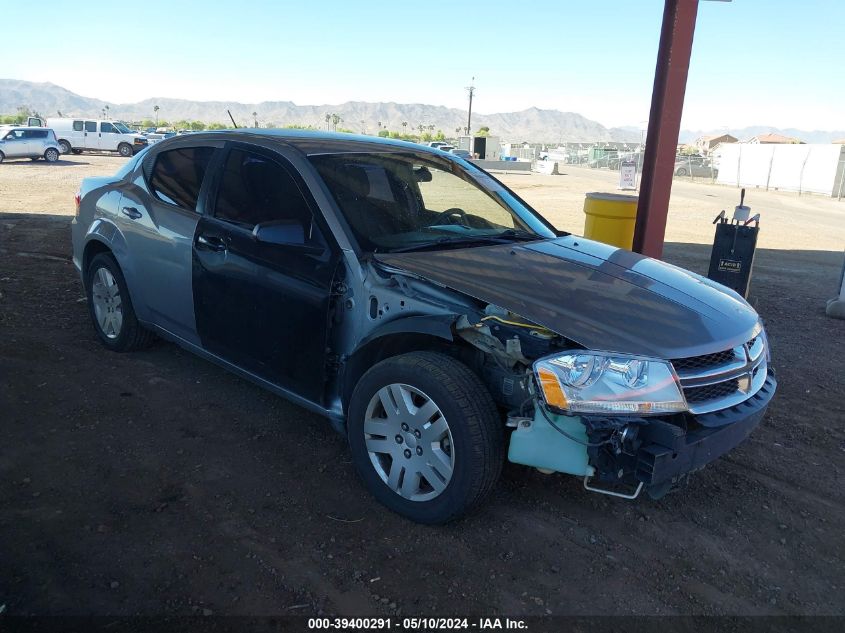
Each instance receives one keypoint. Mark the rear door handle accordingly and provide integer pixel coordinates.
(211, 243)
(131, 212)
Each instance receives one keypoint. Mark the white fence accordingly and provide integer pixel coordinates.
(812, 168)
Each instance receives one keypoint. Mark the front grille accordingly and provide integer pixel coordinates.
(722, 379)
(707, 361)
(695, 395)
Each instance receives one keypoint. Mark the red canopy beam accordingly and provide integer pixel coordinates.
(664, 125)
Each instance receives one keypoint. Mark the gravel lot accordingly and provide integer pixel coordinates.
(156, 483)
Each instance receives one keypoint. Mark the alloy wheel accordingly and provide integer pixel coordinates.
(409, 442)
(105, 295)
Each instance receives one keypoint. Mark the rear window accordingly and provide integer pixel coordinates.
(177, 175)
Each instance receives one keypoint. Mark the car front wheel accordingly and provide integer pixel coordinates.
(51, 155)
(425, 436)
(111, 308)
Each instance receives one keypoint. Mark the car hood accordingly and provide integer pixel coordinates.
(599, 296)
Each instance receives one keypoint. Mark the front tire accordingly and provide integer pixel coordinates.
(425, 436)
(51, 155)
(111, 307)
(681, 172)
(65, 147)
(125, 150)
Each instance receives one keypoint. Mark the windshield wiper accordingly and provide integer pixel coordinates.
(505, 237)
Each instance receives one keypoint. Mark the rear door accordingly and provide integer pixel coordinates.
(261, 306)
(91, 135)
(158, 217)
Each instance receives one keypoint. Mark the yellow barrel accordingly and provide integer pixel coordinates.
(610, 218)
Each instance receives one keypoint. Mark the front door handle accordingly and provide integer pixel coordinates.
(211, 243)
(131, 212)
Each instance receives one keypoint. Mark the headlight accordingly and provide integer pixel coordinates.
(582, 381)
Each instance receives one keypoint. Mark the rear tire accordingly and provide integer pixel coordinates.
(111, 308)
(65, 147)
(2, 156)
(446, 427)
(51, 155)
(125, 150)
(76, 151)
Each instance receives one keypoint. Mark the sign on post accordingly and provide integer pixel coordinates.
(627, 175)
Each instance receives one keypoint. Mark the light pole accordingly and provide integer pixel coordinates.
(471, 90)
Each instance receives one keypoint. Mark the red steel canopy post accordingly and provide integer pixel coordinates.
(664, 125)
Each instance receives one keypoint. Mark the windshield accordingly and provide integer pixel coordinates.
(408, 201)
(122, 128)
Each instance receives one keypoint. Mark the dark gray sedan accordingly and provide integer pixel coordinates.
(425, 309)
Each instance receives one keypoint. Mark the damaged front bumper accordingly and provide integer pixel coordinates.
(650, 453)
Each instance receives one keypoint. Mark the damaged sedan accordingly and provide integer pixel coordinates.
(429, 313)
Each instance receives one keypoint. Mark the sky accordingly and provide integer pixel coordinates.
(754, 62)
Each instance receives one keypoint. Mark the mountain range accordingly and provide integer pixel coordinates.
(531, 125)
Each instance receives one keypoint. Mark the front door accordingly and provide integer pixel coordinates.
(92, 135)
(15, 144)
(262, 306)
(109, 136)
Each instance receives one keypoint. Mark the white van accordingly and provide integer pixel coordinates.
(76, 135)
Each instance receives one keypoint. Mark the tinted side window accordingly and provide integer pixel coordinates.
(177, 175)
(254, 190)
(35, 134)
(90, 126)
(77, 126)
(107, 127)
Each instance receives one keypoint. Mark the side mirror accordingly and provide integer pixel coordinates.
(422, 174)
(280, 232)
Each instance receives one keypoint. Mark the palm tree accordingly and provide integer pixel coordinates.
(328, 118)
(255, 119)
(404, 127)
(336, 118)
(458, 131)
(106, 110)
(155, 109)
(363, 129)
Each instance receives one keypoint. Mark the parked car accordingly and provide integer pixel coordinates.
(28, 142)
(425, 309)
(77, 135)
(446, 148)
(436, 144)
(695, 166)
(461, 153)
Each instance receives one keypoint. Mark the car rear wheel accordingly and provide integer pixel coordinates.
(111, 308)
(2, 156)
(125, 150)
(425, 436)
(64, 147)
(51, 155)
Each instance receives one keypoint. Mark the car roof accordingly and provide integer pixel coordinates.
(313, 143)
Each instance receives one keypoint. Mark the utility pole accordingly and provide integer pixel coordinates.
(471, 90)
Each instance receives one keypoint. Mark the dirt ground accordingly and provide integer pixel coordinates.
(157, 483)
